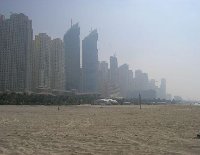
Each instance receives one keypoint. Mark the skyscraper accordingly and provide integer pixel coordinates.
(163, 89)
(42, 46)
(124, 79)
(57, 65)
(130, 81)
(114, 73)
(72, 57)
(103, 77)
(16, 36)
(90, 62)
(152, 84)
(2, 18)
(141, 81)
(114, 77)
(147, 89)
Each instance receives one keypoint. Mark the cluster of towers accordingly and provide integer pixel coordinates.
(43, 64)
(119, 81)
(50, 65)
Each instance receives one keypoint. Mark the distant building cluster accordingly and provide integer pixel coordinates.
(45, 65)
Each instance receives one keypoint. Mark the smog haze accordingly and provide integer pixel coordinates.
(161, 38)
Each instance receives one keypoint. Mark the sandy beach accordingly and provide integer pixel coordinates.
(43, 130)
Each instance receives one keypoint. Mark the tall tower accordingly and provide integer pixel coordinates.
(42, 45)
(163, 89)
(2, 18)
(141, 81)
(90, 62)
(72, 57)
(103, 78)
(16, 37)
(124, 79)
(114, 77)
(57, 65)
(130, 80)
(114, 73)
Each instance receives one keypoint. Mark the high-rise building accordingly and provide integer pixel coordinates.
(16, 36)
(114, 72)
(141, 81)
(152, 84)
(114, 77)
(90, 62)
(103, 79)
(2, 18)
(124, 80)
(163, 89)
(57, 65)
(147, 89)
(130, 80)
(72, 57)
(42, 50)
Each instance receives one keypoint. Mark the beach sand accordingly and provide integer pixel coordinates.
(85, 130)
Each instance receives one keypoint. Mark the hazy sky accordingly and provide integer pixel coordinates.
(160, 37)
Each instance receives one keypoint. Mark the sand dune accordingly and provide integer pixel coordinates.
(99, 130)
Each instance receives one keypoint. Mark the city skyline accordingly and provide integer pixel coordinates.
(51, 66)
(178, 67)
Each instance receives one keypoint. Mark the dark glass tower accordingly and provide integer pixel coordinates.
(90, 62)
(72, 57)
